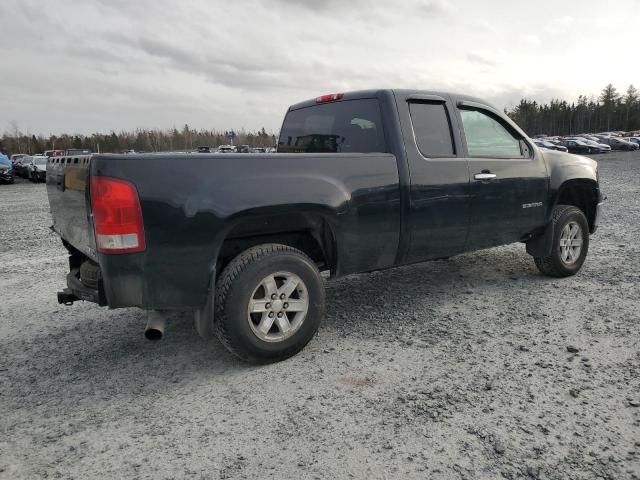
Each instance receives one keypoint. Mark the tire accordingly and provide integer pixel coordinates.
(244, 284)
(558, 264)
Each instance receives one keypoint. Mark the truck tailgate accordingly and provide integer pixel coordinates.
(67, 189)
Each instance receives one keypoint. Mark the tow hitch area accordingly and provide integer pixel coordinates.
(67, 297)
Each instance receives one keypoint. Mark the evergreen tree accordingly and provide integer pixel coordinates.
(609, 111)
(631, 107)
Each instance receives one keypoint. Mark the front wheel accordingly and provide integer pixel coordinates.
(570, 243)
(269, 303)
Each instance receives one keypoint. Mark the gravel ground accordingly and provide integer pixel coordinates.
(474, 367)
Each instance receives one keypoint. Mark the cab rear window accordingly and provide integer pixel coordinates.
(351, 126)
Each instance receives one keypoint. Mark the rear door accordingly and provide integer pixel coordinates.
(438, 216)
(509, 180)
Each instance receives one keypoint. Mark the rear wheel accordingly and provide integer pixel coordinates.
(269, 303)
(570, 243)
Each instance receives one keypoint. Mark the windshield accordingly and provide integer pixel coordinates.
(351, 126)
(40, 161)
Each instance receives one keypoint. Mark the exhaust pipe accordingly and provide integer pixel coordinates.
(155, 325)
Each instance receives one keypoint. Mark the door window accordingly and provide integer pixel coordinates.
(488, 137)
(432, 129)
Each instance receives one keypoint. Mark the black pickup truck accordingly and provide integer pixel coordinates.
(362, 181)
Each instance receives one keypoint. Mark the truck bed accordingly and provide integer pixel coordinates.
(192, 202)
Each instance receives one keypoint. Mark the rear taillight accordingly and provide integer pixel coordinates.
(117, 216)
(331, 97)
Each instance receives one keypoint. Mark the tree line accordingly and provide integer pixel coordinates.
(610, 111)
(141, 140)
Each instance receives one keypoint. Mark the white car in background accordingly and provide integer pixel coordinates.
(227, 149)
(37, 168)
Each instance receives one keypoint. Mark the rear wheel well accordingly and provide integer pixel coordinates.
(316, 241)
(582, 194)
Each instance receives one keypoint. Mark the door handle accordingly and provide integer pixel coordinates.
(484, 176)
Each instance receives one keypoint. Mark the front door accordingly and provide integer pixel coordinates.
(509, 180)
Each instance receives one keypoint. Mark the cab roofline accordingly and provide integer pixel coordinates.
(373, 93)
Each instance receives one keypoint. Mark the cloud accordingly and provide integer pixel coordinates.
(484, 25)
(480, 58)
(531, 40)
(80, 66)
(327, 6)
(436, 7)
(560, 25)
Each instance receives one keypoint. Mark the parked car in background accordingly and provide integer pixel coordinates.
(243, 149)
(6, 169)
(21, 167)
(226, 149)
(619, 144)
(38, 168)
(635, 140)
(53, 153)
(17, 156)
(205, 149)
(602, 147)
(596, 147)
(576, 146)
(550, 145)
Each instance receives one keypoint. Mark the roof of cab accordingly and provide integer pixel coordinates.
(373, 93)
(355, 95)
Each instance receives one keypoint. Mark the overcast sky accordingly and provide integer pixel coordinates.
(81, 66)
